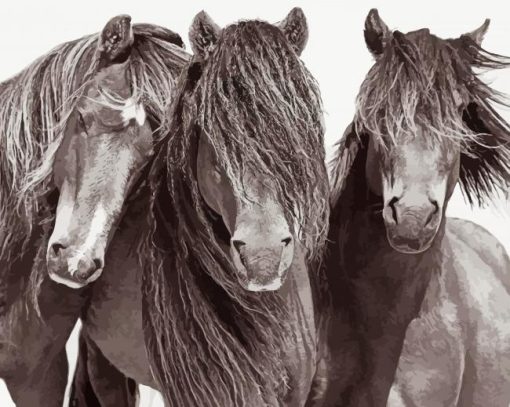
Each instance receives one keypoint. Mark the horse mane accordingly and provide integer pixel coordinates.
(211, 342)
(280, 109)
(421, 80)
(34, 107)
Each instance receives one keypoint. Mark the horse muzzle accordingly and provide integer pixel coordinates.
(412, 235)
(71, 267)
(262, 268)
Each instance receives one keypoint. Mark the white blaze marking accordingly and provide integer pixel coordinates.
(97, 227)
(133, 110)
(64, 213)
(96, 230)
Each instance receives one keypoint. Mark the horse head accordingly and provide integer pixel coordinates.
(237, 174)
(106, 141)
(424, 121)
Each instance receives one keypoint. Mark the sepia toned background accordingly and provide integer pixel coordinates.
(335, 54)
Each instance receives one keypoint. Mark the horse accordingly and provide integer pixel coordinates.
(76, 130)
(409, 320)
(208, 298)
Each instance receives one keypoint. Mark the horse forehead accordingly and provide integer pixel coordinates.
(420, 38)
(113, 77)
(418, 33)
(100, 109)
(420, 144)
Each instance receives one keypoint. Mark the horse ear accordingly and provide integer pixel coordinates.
(478, 34)
(348, 148)
(203, 34)
(115, 41)
(376, 33)
(295, 29)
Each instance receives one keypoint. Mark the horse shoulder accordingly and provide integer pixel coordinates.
(486, 245)
(483, 263)
(481, 268)
(432, 357)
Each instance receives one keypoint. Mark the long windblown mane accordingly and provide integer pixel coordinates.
(421, 80)
(34, 106)
(211, 342)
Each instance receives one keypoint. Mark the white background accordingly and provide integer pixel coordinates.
(335, 54)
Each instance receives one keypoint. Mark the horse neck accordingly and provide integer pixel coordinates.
(375, 270)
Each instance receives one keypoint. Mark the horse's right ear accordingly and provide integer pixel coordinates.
(203, 34)
(376, 33)
(348, 148)
(115, 41)
(295, 29)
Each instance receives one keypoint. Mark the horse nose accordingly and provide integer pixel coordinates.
(241, 247)
(287, 241)
(264, 259)
(86, 268)
(434, 211)
(393, 207)
(238, 245)
(397, 210)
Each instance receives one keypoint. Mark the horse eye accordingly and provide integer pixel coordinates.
(81, 120)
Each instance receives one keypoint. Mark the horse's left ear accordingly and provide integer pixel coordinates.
(295, 29)
(478, 34)
(203, 34)
(115, 41)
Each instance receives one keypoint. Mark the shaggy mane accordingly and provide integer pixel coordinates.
(421, 80)
(210, 342)
(34, 107)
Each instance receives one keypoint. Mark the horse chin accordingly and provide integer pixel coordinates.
(261, 284)
(65, 281)
(255, 286)
(73, 283)
(406, 245)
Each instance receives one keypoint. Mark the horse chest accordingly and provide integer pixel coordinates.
(114, 318)
(387, 291)
(430, 367)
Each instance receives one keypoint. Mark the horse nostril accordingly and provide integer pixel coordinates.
(56, 247)
(391, 204)
(286, 241)
(436, 206)
(98, 264)
(83, 275)
(414, 244)
(238, 244)
(434, 212)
